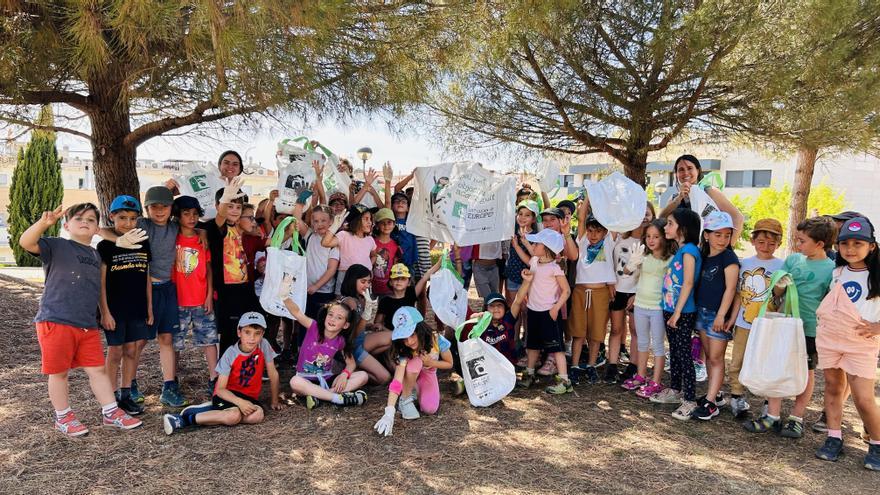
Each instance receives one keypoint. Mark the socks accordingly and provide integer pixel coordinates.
(792, 416)
(772, 418)
(838, 434)
(530, 371)
(337, 399)
(60, 414)
(109, 409)
(874, 442)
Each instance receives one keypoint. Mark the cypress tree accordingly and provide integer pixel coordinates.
(36, 186)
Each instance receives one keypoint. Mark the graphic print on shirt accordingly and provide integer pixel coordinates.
(248, 370)
(319, 366)
(622, 260)
(672, 284)
(187, 260)
(754, 289)
(853, 290)
(381, 266)
(234, 259)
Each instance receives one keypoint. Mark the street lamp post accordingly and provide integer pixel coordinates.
(364, 154)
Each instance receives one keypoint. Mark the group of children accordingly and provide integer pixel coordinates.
(674, 279)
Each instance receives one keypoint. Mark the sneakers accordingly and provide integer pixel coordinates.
(356, 398)
(667, 363)
(172, 423)
(408, 408)
(311, 402)
(649, 390)
(685, 410)
(574, 374)
(793, 428)
(624, 356)
(739, 406)
(549, 367)
(523, 362)
(633, 383)
(832, 449)
(136, 394)
(706, 411)
(666, 396)
(612, 374)
(526, 381)
(119, 419)
(591, 376)
(458, 383)
(171, 396)
(131, 407)
(820, 426)
(70, 426)
(561, 387)
(872, 460)
(762, 425)
(720, 401)
(601, 360)
(700, 371)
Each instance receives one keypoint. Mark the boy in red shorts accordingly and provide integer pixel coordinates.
(67, 325)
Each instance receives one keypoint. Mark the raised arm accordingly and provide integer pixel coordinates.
(30, 238)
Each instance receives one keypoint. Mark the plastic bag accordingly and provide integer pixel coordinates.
(488, 375)
(447, 294)
(701, 202)
(295, 173)
(282, 265)
(618, 202)
(201, 183)
(775, 361)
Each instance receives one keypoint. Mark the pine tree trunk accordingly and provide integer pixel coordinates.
(635, 166)
(800, 192)
(115, 164)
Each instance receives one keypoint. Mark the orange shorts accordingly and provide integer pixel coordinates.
(63, 347)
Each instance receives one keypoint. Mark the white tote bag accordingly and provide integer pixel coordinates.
(284, 266)
(295, 173)
(618, 203)
(201, 183)
(775, 361)
(488, 375)
(447, 294)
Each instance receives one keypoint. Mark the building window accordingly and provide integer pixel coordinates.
(4, 179)
(567, 180)
(748, 178)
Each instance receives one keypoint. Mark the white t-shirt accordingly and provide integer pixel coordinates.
(753, 287)
(623, 248)
(490, 251)
(317, 257)
(855, 284)
(601, 269)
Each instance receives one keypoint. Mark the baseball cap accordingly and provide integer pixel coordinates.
(252, 318)
(528, 203)
(548, 237)
(494, 297)
(847, 215)
(566, 203)
(591, 220)
(857, 228)
(186, 203)
(399, 196)
(399, 270)
(405, 320)
(338, 196)
(158, 195)
(383, 214)
(125, 202)
(556, 212)
(770, 225)
(717, 220)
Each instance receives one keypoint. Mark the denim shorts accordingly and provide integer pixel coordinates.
(204, 328)
(359, 352)
(705, 320)
(512, 285)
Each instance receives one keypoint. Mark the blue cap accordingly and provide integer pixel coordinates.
(857, 228)
(405, 320)
(125, 202)
(717, 220)
(494, 297)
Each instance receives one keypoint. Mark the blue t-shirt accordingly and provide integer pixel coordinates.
(711, 285)
(407, 243)
(674, 279)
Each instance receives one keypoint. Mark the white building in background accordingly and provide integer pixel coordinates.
(747, 171)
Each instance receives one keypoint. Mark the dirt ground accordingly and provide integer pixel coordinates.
(598, 440)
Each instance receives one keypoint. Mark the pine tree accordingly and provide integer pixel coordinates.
(36, 186)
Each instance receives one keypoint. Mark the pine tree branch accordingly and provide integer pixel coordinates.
(33, 126)
(75, 100)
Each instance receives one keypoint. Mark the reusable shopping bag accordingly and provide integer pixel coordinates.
(284, 266)
(488, 375)
(447, 294)
(201, 183)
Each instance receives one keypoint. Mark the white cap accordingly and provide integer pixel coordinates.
(550, 238)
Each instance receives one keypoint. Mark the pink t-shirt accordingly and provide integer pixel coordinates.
(354, 250)
(544, 291)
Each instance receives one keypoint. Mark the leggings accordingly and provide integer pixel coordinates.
(680, 363)
(650, 327)
(427, 385)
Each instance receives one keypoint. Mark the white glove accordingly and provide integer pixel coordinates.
(132, 239)
(370, 306)
(231, 191)
(635, 259)
(337, 222)
(386, 422)
(284, 288)
(784, 282)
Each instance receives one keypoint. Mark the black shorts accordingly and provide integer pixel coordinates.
(544, 333)
(620, 301)
(812, 354)
(219, 404)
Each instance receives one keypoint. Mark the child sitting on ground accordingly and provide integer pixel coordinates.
(500, 332)
(67, 327)
(236, 398)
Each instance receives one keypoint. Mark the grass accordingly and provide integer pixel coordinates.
(597, 440)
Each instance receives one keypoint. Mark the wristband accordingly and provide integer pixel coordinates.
(347, 373)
